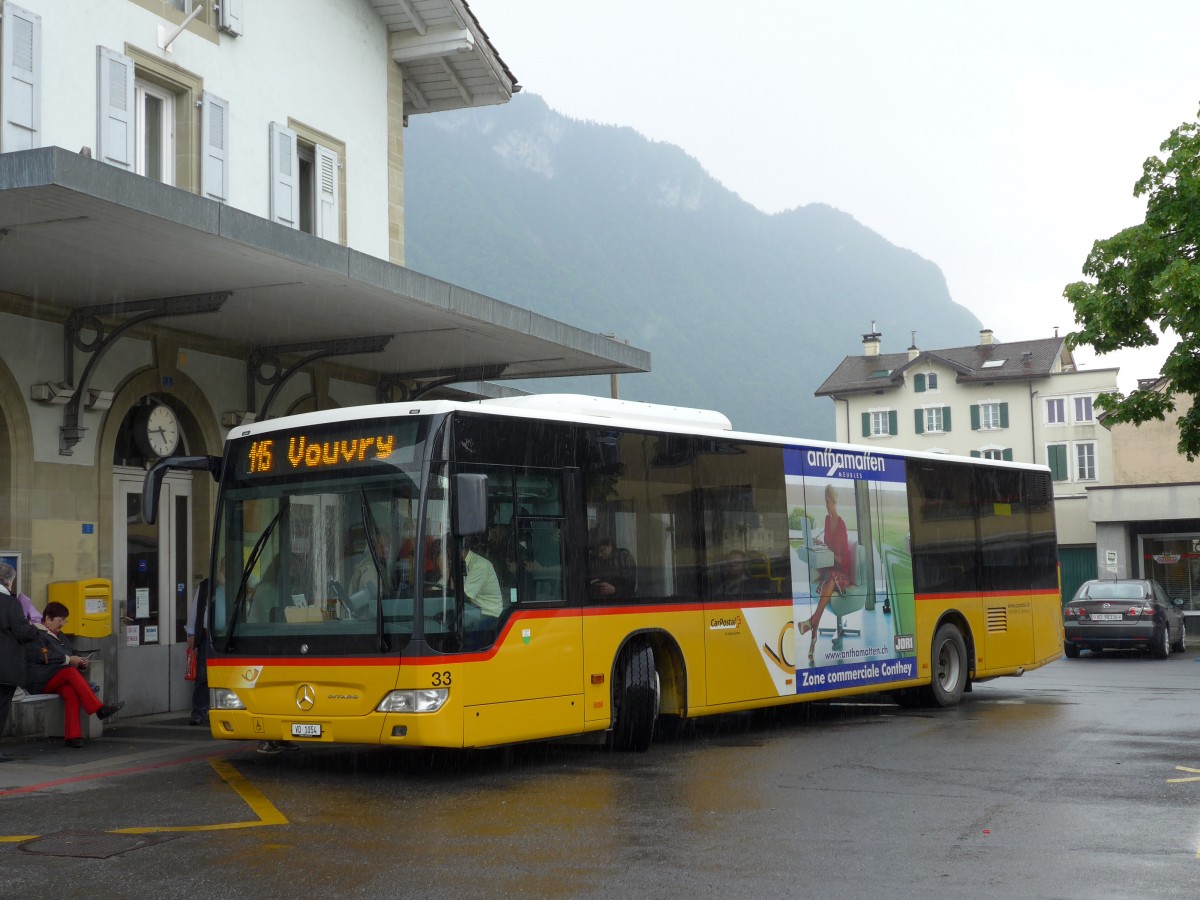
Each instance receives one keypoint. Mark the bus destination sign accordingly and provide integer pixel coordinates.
(305, 451)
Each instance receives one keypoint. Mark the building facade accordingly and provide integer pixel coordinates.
(201, 223)
(1024, 401)
(1148, 520)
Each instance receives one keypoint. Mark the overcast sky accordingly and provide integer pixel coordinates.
(998, 140)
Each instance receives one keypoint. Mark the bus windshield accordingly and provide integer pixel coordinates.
(331, 561)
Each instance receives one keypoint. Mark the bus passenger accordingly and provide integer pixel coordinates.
(737, 581)
(610, 570)
(481, 587)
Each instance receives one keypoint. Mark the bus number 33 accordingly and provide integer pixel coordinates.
(441, 679)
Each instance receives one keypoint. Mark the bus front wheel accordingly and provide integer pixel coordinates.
(950, 668)
(635, 699)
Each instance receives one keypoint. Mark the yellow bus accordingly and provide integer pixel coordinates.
(446, 574)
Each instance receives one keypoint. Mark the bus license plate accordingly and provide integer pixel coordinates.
(306, 730)
(1107, 617)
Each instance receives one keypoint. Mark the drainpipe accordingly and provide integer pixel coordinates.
(1033, 423)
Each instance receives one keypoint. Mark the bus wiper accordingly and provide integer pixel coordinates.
(370, 527)
(251, 562)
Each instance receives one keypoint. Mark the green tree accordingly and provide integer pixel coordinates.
(1147, 278)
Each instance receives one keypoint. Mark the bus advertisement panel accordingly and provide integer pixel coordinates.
(852, 585)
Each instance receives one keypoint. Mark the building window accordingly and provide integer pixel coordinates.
(147, 120)
(1056, 411)
(879, 423)
(934, 420)
(1056, 459)
(307, 181)
(925, 381)
(1083, 409)
(154, 135)
(1085, 461)
(989, 416)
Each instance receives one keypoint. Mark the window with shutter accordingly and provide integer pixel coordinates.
(20, 79)
(315, 185)
(880, 424)
(919, 383)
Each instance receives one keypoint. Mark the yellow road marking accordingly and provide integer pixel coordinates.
(1195, 772)
(254, 798)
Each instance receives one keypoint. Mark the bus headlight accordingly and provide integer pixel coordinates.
(223, 698)
(427, 700)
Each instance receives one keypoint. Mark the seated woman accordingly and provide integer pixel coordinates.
(836, 577)
(53, 668)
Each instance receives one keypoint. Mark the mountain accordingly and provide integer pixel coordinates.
(604, 229)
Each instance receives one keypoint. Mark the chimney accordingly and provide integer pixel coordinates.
(985, 337)
(871, 342)
(913, 352)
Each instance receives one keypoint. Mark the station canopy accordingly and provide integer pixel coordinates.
(76, 233)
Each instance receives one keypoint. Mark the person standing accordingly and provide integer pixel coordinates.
(54, 668)
(15, 630)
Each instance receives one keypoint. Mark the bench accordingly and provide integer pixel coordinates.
(44, 714)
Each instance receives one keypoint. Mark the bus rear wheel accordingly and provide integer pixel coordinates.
(635, 699)
(950, 669)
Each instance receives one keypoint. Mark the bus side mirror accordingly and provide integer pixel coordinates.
(152, 484)
(470, 504)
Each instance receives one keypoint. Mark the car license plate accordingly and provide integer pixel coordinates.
(306, 730)
(1106, 617)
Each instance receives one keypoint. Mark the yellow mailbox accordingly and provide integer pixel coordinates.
(90, 604)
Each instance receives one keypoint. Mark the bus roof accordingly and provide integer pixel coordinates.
(587, 410)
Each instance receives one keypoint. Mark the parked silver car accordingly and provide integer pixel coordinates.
(1123, 613)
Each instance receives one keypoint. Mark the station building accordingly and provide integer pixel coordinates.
(202, 224)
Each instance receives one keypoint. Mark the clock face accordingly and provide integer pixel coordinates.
(161, 430)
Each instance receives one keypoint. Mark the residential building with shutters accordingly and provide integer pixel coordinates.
(1024, 401)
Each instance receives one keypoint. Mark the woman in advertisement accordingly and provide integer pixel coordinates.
(833, 578)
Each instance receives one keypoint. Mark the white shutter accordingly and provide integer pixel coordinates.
(285, 184)
(231, 16)
(114, 104)
(214, 141)
(326, 191)
(20, 79)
